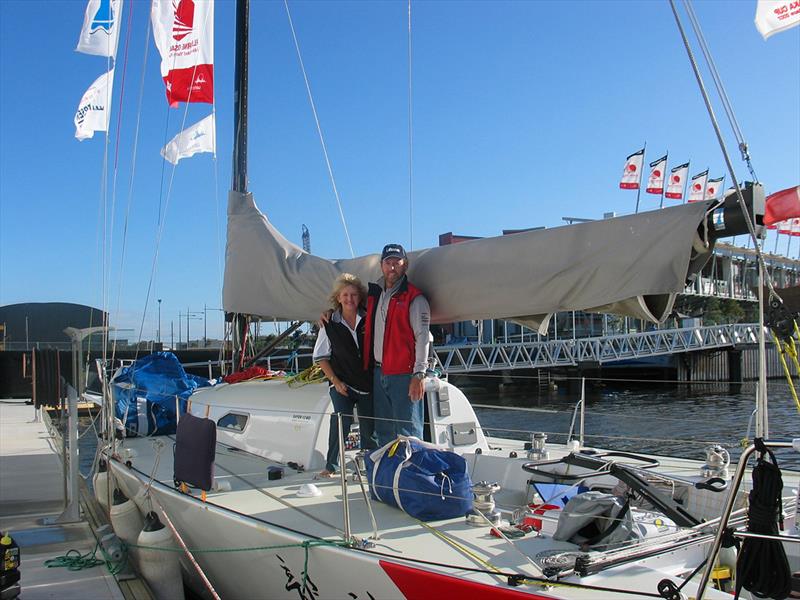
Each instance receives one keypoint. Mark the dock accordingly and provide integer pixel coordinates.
(31, 491)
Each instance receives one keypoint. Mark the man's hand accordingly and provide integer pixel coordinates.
(415, 389)
(324, 318)
(340, 386)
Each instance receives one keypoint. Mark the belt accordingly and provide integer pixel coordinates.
(377, 364)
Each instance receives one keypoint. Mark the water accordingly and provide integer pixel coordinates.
(677, 420)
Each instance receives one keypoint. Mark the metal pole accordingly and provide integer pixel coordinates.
(187, 327)
(172, 335)
(733, 489)
(583, 407)
(205, 330)
(762, 416)
(239, 180)
(159, 320)
(345, 500)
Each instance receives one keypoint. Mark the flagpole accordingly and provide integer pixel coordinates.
(685, 181)
(664, 181)
(639, 187)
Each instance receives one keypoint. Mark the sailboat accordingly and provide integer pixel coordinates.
(264, 527)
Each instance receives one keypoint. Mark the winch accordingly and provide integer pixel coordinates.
(537, 449)
(717, 461)
(483, 504)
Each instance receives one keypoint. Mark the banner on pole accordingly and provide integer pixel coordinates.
(183, 31)
(200, 137)
(774, 16)
(697, 188)
(677, 182)
(100, 31)
(782, 205)
(655, 182)
(94, 109)
(714, 187)
(632, 173)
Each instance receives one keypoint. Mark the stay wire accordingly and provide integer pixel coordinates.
(133, 175)
(410, 137)
(319, 129)
(726, 104)
(740, 198)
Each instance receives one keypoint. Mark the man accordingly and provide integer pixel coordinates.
(397, 336)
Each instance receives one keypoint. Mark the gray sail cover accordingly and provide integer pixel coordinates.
(632, 265)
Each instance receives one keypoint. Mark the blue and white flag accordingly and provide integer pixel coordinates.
(100, 28)
(200, 137)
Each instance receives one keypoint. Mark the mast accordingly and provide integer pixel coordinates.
(239, 168)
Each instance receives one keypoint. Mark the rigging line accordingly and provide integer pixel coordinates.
(748, 221)
(319, 128)
(163, 214)
(132, 176)
(723, 95)
(410, 138)
(721, 89)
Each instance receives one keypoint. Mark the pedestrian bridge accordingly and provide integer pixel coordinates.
(537, 354)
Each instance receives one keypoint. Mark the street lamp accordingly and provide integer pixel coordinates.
(159, 320)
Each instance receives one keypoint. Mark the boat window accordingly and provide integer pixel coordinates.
(232, 421)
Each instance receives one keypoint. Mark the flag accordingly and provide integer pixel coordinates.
(785, 227)
(200, 137)
(184, 34)
(782, 205)
(697, 188)
(795, 227)
(632, 174)
(774, 16)
(677, 181)
(100, 30)
(714, 187)
(655, 183)
(94, 109)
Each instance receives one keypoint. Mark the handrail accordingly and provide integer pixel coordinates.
(729, 502)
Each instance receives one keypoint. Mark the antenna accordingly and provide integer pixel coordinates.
(306, 239)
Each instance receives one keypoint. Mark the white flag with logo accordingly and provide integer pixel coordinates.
(200, 137)
(785, 227)
(94, 110)
(714, 187)
(100, 31)
(697, 189)
(677, 182)
(632, 173)
(655, 182)
(774, 16)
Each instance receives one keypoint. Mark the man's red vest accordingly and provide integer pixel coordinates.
(399, 343)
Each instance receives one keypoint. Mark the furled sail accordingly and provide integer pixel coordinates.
(632, 265)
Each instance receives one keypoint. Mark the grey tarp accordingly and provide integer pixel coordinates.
(630, 265)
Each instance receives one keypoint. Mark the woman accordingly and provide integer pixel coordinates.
(338, 353)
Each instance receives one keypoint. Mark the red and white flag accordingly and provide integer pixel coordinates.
(785, 227)
(697, 187)
(655, 182)
(714, 188)
(200, 137)
(94, 109)
(632, 174)
(774, 16)
(795, 227)
(677, 182)
(184, 34)
(782, 205)
(100, 30)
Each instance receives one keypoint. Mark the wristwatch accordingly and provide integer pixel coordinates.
(419, 375)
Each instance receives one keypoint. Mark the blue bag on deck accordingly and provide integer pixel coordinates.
(144, 393)
(420, 479)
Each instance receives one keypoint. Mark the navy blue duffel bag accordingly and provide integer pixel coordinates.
(418, 478)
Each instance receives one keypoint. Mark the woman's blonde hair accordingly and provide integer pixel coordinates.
(342, 281)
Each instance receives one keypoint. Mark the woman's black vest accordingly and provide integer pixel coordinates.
(346, 359)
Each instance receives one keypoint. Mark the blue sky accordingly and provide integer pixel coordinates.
(523, 113)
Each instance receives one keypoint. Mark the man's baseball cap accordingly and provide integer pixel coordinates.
(393, 251)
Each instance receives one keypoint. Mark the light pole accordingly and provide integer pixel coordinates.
(159, 320)
(190, 315)
(207, 308)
